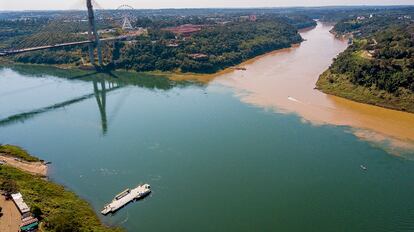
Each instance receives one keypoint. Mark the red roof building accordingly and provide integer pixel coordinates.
(184, 30)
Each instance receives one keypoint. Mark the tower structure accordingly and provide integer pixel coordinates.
(93, 35)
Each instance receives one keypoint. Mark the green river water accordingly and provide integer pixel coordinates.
(214, 162)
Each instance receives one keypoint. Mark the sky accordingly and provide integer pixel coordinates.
(155, 4)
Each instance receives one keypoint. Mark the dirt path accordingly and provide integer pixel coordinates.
(11, 219)
(37, 168)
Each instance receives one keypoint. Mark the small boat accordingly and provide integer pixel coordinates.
(239, 68)
(293, 99)
(125, 197)
(363, 167)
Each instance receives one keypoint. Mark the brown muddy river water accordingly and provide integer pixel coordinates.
(284, 81)
(254, 150)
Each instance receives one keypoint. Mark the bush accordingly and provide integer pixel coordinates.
(37, 212)
(64, 222)
(8, 186)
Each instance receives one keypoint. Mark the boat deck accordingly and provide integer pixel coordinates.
(134, 194)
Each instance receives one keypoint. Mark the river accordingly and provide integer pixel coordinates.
(237, 154)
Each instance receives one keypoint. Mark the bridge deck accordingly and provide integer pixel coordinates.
(17, 51)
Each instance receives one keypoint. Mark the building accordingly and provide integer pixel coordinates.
(106, 31)
(185, 30)
(21, 205)
(251, 18)
(198, 56)
(243, 18)
(29, 223)
(173, 44)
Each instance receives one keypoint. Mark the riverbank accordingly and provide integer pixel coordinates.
(35, 168)
(340, 86)
(203, 78)
(376, 68)
(18, 158)
(60, 209)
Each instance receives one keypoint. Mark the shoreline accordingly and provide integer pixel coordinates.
(35, 168)
(345, 92)
(337, 85)
(205, 78)
(60, 207)
(172, 75)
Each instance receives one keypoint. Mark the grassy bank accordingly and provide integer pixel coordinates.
(339, 85)
(61, 210)
(17, 152)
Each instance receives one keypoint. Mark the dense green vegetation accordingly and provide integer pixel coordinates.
(297, 20)
(371, 24)
(59, 209)
(378, 68)
(225, 40)
(17, 152)
(223, 46)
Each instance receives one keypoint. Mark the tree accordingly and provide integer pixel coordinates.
(8, 186)
(37, 212)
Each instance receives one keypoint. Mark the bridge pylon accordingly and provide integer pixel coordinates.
(93, 35)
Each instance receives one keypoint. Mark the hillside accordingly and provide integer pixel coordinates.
(378, 68)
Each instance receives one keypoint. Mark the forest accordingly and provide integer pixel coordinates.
(222, 46)
(391, 66)
(380, 59)
(223, 41)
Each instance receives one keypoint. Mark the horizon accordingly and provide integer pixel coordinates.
(51, 5)
(223, 8)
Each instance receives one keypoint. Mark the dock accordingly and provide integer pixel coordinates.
(126, 197)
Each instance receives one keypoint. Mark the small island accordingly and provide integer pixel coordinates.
(56, 208)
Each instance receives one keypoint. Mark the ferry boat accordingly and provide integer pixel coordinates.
(125, 197)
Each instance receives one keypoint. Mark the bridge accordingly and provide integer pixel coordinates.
(61, 45)
(93, 41)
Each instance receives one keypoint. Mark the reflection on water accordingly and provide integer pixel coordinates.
(102, 83)
(285, 80)
(99, 93)
(100, 96)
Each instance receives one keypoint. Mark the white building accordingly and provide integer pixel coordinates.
(21, 205)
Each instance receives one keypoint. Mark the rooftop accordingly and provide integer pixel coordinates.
(184, 29)
(21, 205)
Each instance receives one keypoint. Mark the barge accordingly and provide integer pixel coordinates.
(126, 197)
